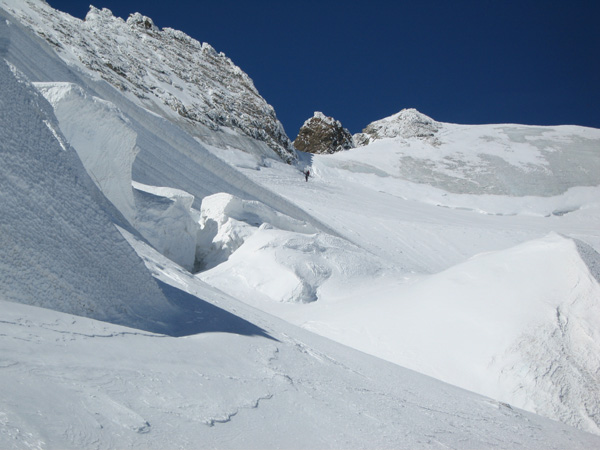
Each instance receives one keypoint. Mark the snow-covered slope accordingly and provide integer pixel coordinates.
(59, 248)
(495, 323)
(241, 378)
(501, 159)
(69, 382)
(396, 248)
(166, 71)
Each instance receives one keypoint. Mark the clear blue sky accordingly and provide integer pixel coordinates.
(479, 61)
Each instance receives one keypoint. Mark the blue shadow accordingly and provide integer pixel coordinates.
(199, 316)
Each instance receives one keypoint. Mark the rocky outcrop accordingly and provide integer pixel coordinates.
(163, 70)
(321, 134)
(407, 124)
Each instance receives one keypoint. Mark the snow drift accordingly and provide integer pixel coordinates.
(253, 250)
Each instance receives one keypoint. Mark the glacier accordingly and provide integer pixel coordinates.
(170, 279)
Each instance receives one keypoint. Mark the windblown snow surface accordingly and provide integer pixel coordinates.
(498, 294)
(161, 292)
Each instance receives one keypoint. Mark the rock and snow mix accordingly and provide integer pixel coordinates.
(397, 248)
(408, 123)
(321, 134)
(163, 70)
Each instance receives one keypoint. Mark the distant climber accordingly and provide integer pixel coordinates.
(306, 174)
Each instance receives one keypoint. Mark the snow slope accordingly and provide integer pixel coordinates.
(267, 385)
(59, 247)
(106, 386)
(240, 379)
(492, 323)
(386, 248)
(166, 71)
(499, 159)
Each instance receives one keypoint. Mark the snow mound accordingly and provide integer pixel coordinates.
(102, 137)
(226, 221)
(519, 325)
(553, 368)
(252, 249)
(165, 217)
(60, 249)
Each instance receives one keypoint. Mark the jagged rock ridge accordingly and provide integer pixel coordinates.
(321, 134)
(163, 68)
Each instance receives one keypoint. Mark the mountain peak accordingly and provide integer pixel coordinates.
(323, 134)
(407, 123)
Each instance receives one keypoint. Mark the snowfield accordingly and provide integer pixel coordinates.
(487, 301)
(167, 280)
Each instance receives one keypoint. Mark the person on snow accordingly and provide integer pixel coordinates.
(306, 174)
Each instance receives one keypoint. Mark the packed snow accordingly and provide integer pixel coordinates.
(91, 124)
(167, 283)
(165, 217)
(476, 296)
(59, 246)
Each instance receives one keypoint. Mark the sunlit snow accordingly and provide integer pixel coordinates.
(167, 281)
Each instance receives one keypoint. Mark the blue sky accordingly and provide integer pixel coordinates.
(462, 61)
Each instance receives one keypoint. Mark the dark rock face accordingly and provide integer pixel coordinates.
(321, 134)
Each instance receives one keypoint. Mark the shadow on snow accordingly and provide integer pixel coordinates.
(199, 316)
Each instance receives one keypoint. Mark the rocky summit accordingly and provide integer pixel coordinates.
(323, 135)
